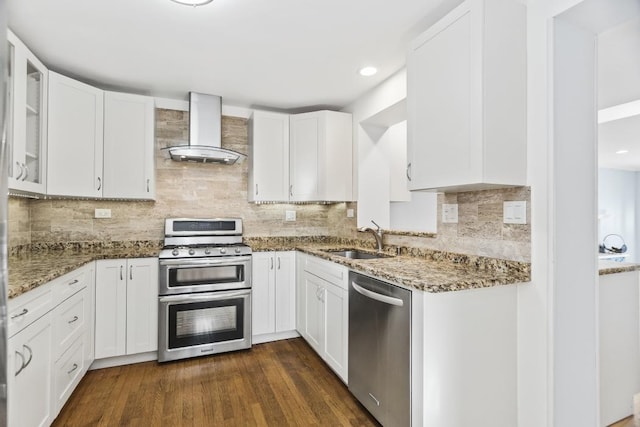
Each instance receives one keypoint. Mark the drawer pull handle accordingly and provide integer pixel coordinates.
(131, 272)
(121, 278)
(147, 185)
(75, 366)
(21, 363)
(26, 347)
(22, 313)
(75, 319)
(73, 282)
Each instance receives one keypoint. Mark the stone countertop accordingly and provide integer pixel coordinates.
(430, 271)
(34, 268)
(613, 267)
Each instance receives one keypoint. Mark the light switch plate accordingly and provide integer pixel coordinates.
(450, 214)
(102, 213)
(350, 213)
(290, 215)
(515, 212)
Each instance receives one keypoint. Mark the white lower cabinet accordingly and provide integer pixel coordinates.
(29, 375)
(273, 295)
(126, 307)
(49, 333)
(323, 310)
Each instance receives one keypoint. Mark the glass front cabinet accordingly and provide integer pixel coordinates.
(26, 128)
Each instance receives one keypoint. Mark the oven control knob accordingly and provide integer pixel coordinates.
(237, 250)
(223, 250)
(192, 252)
(207, 251)
(175, 252)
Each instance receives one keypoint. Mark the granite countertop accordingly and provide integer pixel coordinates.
(426, 270)
(33, 268)
(613, 267)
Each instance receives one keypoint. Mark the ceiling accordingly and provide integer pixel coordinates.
(279, 54)
(619, 83)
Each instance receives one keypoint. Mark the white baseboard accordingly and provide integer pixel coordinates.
(259, 339)
(110, 362)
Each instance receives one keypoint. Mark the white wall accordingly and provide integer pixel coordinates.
(540, 403)
(617, 214)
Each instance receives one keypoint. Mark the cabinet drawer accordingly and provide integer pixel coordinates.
(69, 284)
(28, 307)
(327, 270)
(69, 322)
(68, 372)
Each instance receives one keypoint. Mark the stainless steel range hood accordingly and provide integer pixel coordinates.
(205, 134)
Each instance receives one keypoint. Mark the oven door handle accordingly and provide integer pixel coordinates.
(209, 296)
(190, 262)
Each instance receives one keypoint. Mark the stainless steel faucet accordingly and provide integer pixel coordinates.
(377, 233)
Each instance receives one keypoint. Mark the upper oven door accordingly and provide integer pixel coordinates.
(181, 276)
(202, 227)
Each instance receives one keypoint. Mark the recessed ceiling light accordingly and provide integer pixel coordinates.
(368, 71)
(622, 151)
(193, 3)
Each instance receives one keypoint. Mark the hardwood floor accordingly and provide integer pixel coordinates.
(627, 422)
(283, 383)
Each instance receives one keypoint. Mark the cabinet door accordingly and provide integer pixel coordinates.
(269, 157)
(142, 305)
(336, 325)
(27, 132)
(263, 293)
(75, 138)
(111, 308)
(314, 311)
(303, 162)
(285, 291)
(29, 402)
(128, 146)
(440, 105)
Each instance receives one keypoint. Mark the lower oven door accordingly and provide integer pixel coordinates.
(201, 324)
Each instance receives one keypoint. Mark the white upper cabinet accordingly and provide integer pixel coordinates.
(320, 163)
(466, 94)
(128, 146)
(75, 138)
(268, 157)
(27, 124)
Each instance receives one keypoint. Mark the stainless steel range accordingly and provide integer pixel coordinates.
(204, 288)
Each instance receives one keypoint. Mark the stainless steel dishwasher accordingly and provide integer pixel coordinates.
(380, 348)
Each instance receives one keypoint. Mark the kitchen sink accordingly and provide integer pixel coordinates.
(356, 254)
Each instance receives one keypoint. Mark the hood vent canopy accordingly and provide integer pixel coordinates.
(205, 134)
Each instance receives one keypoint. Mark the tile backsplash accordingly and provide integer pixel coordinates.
(212, 190)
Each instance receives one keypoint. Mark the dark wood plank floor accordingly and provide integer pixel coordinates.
(283, 383)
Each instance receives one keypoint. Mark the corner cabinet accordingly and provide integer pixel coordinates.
(323, 311)
(320, 162)
(129, 166)
(27, 120)
(268, 157)
(75, 138)
(126, 319)
(273, 296)
(466, 95)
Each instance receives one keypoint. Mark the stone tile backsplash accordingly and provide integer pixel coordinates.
(212, 190)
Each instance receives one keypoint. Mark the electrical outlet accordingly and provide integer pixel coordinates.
(350, 213)
(102, 213)
(290, 215)
(450, 214)
(515, 212)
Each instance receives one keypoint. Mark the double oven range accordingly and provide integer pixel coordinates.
(204, 288)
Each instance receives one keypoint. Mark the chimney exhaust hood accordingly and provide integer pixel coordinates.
(205, 134)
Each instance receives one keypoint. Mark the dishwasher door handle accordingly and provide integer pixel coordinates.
(376, 296)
